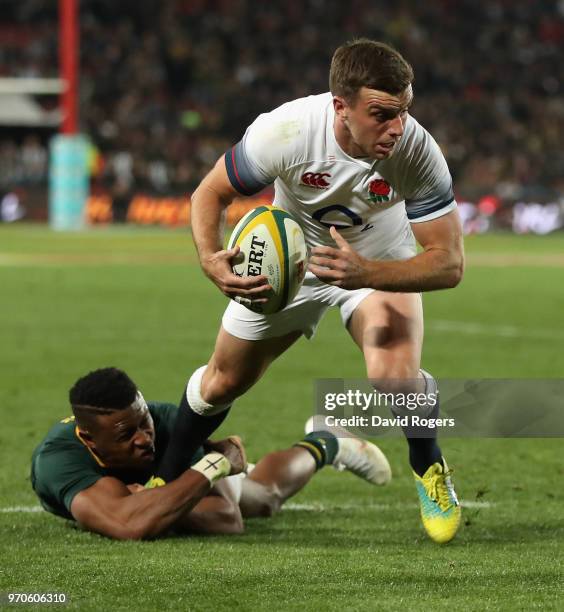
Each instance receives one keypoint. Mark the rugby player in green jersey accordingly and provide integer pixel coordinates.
(96, 467)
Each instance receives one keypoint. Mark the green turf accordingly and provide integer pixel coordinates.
(137, 299)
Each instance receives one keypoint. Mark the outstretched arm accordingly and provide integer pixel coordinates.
(439, 266)
(108, 507)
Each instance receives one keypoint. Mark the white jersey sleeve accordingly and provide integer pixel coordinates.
(271, 144)
(426, 182)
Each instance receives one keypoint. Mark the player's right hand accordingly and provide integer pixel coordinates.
(218, 267)
(232, 448)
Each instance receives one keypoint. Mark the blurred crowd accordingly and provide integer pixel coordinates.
(166, 87)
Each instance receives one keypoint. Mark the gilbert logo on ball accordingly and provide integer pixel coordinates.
(271, 244)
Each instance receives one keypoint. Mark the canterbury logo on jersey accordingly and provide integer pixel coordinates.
(316, 179)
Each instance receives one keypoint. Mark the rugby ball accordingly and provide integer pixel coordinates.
(272, 244)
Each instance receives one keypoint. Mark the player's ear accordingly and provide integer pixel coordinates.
(340, 106)
(86, 437)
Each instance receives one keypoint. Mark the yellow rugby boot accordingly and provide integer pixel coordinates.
(440, 510)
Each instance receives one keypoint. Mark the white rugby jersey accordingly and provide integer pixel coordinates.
(370, 202)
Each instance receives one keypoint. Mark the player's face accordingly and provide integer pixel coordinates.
(372, 125)
(125, 439)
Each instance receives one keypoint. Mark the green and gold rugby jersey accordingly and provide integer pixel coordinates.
(62, 465)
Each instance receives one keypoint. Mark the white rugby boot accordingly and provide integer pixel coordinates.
(355, 455)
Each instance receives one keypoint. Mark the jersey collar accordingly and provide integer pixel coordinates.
(97, 459)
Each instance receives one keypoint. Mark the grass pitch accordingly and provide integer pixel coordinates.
(137, 299)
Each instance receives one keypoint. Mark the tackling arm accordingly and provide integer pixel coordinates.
(109, 508)
(112, 509)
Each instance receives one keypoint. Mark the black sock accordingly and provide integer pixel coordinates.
(423, 447)
(423, 452)
(190, 431)
(322, 446)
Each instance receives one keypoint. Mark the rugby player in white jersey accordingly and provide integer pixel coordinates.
(365, 181)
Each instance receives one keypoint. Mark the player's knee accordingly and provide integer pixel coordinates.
(269, 504)
(225, 385)
(392, 377)
(407, 391)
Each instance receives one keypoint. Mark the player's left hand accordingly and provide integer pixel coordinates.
(341, 267)
(232, 448)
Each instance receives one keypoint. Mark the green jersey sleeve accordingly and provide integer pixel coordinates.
(62, 465)
(61, 468)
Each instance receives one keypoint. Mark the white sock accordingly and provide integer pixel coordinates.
(431, 388)
(195, 399)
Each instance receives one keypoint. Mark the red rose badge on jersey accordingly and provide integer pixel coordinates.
(379, 191)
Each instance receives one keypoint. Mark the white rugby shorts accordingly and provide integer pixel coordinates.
(305, 311)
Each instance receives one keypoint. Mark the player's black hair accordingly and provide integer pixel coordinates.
(367, 63)
(101, 392)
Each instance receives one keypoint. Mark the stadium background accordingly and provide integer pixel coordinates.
(165, 89)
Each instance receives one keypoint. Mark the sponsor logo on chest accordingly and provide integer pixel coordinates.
(377, 191)
(317, 180)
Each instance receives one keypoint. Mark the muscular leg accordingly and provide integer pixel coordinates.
(276, 477)
(237, 364)
(234, 367)
(388, 328)
(280, 475)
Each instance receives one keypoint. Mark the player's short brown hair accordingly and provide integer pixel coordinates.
(368, 63)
